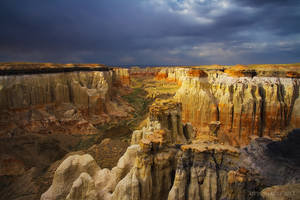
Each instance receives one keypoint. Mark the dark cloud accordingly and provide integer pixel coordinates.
(258, 3)
(150, 32)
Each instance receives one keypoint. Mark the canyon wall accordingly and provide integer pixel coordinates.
(73, 101)
(87, 90)
(242, 106)
(121, 76)
(155, 167)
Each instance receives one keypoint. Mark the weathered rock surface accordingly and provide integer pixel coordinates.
(79, 177)
(160, 168)
(162, 171)
(122, 76)
(87, 90)
(277, 161)
(168, 114)
(72, 102)
(188, 149)
(66, 174)
(244, 106)
(83, 188)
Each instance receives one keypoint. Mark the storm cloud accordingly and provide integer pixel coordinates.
(150, 32)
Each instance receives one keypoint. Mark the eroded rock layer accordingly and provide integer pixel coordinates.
(69, 102)
(156, 167)
(244, 106)
(187, 150)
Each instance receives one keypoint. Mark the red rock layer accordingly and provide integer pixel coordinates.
(143, 72)
(121, 76)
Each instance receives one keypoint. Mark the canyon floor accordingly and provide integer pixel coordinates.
(202, 132)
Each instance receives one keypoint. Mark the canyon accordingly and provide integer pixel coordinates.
(88, 131)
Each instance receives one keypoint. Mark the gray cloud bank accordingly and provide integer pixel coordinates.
(150, 31)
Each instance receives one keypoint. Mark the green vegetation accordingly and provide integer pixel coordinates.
(161, 89)
(137, 99)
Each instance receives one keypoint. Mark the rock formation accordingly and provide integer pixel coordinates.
(122, 76)
(71, 102)
(212, 132)
(160, 167)
(79, 177)
(245, 106)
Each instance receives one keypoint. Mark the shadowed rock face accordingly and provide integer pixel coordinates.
(281, 192)
(277, 161)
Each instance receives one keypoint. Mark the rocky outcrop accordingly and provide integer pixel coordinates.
(122, 76)
(240, 71)
(157, 167)
(163, 171)
(144, 72)
(83, 188)
(79, 177)
(277, 161)
(73, 102)
(65, 179)
(244, 106)
(168, 114)
(87, 90)
(172, 74)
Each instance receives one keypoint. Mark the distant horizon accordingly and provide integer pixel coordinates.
(147, 65)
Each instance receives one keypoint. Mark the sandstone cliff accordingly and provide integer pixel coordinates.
(243, 106)
(72, 102)
(157, 167)
(121, 76)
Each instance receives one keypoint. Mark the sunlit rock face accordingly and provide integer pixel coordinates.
(144, 72)
(79, 177)
(172, 74)
(168, 114)
(69, 102)
(244, 106)
(87, 90)
(121, 76)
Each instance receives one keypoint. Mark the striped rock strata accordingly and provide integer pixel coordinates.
(243, 106)
(69, 102)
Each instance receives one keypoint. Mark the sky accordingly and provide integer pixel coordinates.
(150, 32)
